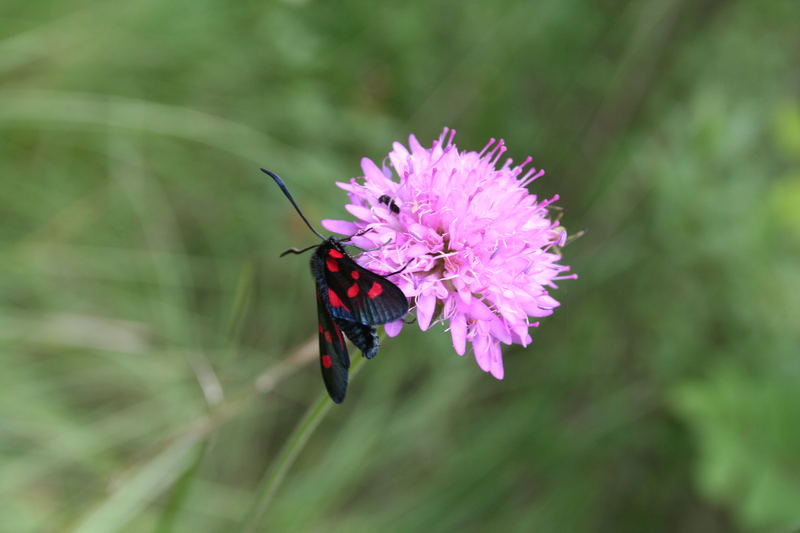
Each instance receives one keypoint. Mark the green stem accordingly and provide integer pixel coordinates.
(181, 491)
(276, 473)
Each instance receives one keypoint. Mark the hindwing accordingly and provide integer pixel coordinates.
(333, 358)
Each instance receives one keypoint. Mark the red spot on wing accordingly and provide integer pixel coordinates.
(327, 362)
(355, 274)
(335, 301)
(352, 291)
(328, 336)
(333, 252)
(320, 328)
(375, 290)
(332, 265)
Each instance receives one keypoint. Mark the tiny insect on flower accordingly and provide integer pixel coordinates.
(386, 199)
(482, 252)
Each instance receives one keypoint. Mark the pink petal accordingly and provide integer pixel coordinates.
(399, 150)
(413, 143)
(362, 242)
(393, 329)
(496, 361)
(482, 347)
(421, 232)
(362, 213)
(458, 329)
(538, 312)
(448, 309)
(455, 235)
(407, 286)
(524, 340)
(465, 294)
(520, 334)
(426, 303)
(399, 157)
(387, 172)
(441, 292)
(546, 302)
(374, 174)
(479, 311)
(416, 250)
(500, 330)
(342, 227)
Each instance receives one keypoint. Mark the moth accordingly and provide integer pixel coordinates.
(351, 301)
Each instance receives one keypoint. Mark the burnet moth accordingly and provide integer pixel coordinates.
(351, 300)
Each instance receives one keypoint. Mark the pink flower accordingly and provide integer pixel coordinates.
(481, 250)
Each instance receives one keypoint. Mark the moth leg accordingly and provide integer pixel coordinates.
(298, 252)
(359, 234)
(397, 271)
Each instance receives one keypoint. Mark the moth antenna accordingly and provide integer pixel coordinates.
(289, 196)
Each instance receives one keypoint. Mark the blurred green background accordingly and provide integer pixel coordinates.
(141, 291)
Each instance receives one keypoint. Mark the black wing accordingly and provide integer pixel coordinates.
(333, 358)
(356, 294)
(364, 337)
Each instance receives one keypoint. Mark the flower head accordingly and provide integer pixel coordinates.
(479, 250)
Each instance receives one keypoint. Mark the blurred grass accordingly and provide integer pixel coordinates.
(141, 294)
